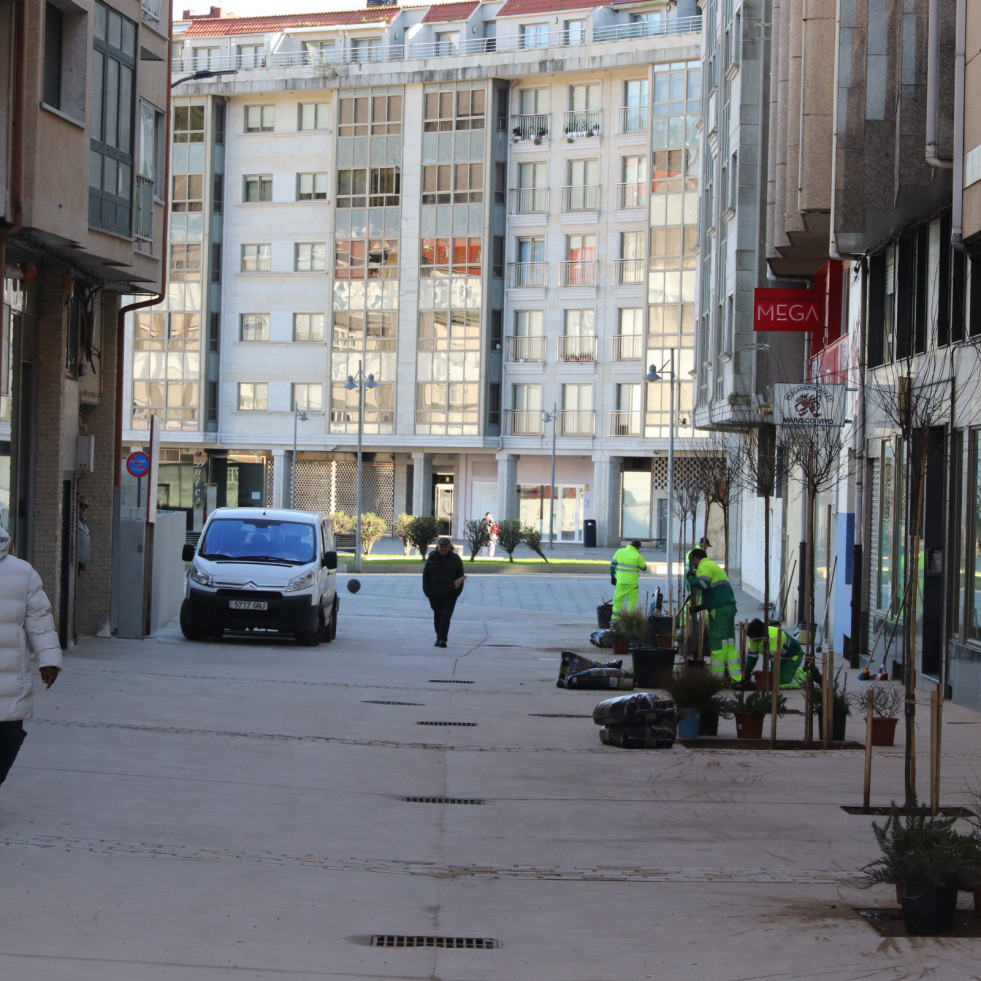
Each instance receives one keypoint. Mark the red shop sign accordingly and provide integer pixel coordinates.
(778, 309)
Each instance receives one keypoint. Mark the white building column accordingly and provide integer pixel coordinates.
(507, 486)
(282, 470)
(606, 500)
(422, 484)
(401, 483)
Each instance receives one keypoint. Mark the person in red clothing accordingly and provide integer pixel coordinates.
(442, 582)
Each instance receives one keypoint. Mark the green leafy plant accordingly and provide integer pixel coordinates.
(342, 523)
(532, 537)
(630, 626)
(476, 535)
(509, 536)
(373, 527)
(841, 701)
(400, 528)
(691, 687)
(423, 530)
(754, 703)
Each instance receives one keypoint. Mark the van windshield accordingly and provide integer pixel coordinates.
(259, 540)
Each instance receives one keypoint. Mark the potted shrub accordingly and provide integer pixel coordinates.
(928, 861)
(629, 630)
(750, 709)
(694, 692)
(887, 703)
(840, 707)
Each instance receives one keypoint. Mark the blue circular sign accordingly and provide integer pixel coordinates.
(138, 463)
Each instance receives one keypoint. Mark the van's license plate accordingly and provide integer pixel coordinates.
(248, 605)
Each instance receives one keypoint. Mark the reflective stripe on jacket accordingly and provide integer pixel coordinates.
(714, 584)
(627, 564)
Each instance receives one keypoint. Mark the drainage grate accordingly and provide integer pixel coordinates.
(442, 800)
(448, 681)
(460, 943)
(446, 723)
(558, 715)
(378, 701)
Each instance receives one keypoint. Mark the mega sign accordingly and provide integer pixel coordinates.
(776, 309)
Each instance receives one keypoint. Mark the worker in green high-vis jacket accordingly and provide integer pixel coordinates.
(625, 570)
(718, 600)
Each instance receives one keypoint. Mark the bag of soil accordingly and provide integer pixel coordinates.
(573, 663)
(601, 638)
(640, 709)
(637, 737)
(600, 677)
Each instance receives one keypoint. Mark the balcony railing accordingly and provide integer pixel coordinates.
(629, 272)
(579, 273)
(581, 123)
(576, 422)
(627, 347)
(632, 119)
(524, 422)
(581, 197)
(630, 195)
(143, 215)
(625, 423)
(527, 274)
(576, 348)
(528, 201)
(524, 348)
(534, 126)
(425, 50)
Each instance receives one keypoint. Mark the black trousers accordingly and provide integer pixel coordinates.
(442, 614)
(11, 736)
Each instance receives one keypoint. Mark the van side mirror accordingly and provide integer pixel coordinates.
(330, 560)
(187, 553)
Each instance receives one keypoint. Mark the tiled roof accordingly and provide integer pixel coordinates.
(220, 26)
(450, 11)
(513, 8)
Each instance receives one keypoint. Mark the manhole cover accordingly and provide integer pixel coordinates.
(446, 723)
(457, 943)
(442, 800)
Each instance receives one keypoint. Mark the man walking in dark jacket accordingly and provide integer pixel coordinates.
(442, 582)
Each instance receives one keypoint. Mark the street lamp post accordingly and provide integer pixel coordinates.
(652, 376)
(553, 419)
(360, 382)
(298, 416)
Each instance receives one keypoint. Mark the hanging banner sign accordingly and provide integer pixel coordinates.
(796, 310)
(808, 404)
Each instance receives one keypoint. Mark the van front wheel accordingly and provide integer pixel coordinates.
(310, 638)
(190, 629)
(331, 632)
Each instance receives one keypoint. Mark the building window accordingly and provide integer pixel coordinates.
(452, 108)
(308, 326)
(528, 343)
(185, 262)
(187, 192)
(313, 115)
(375, 258)
(308, 396)
(633, 115)
(630, 265)
(365, 330)
(310, 257)
(526, 410)
(378, 114)
(250, 56)
(531, 194)
(460, 183)
(534, 35)
(372, 187)
(366, 49)
(112, 121)
(633, 178)
(188, 124)
(257, 258)
(166, 368)
(254, 327)
(580, 264)
(260, 119)
(320, 52)
(253, 396)
(628, 342)
(447, 43)
(207, 57)
(578, 341)
(257, 187)
(311, 187)
(443, 257)
(582, 192)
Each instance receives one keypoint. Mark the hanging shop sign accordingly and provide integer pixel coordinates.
(795, 310)
(808, 404)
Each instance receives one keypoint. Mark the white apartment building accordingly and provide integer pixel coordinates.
(484, 213)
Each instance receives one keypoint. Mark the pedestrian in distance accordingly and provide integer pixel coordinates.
(27, 639)
(625, 570)
(491, 530)
(711, 591)
(83, 546)
(442, 582)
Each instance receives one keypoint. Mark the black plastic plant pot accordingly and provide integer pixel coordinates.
(928, 908)
(652, 665)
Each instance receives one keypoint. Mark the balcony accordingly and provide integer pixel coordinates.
(524, 348)
(631, 195)
(625, 423)
(629, 272)
(581, 197)
(524, 422)
(530, 127)
(626, 347)
(576, 348)
(523, 275)
(575, 422)
(580, 123)
(632, 119)
(528, 201)
(579, 273)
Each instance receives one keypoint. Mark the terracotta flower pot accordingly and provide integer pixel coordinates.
(883, 731)
(749, 726)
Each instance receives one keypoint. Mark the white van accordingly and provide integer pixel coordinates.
(262, 569)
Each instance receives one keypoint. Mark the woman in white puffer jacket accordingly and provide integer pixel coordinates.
(27, 638)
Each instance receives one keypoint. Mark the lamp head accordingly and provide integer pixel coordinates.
(301, 415)
(371, 383)
(350, 383)
(652, 375)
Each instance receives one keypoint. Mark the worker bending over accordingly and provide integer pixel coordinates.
(717, 599)
(792, 673)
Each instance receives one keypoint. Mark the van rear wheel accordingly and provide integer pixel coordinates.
(310, 638)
